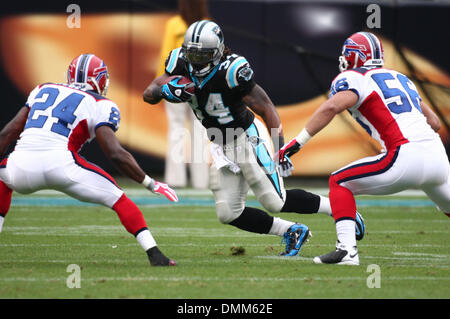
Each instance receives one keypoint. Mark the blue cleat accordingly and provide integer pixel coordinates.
(294, 238)
(360, 227)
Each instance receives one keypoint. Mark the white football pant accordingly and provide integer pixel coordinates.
(252, 152)
(30, 171)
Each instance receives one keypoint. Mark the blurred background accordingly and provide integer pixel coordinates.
(293, 47)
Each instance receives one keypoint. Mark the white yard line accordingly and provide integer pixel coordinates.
(201, 278)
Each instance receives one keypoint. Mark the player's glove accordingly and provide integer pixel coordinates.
(284, 163)
(288, 150)
(285, 167)
(174, 92)
(160, 188)
(164, 189)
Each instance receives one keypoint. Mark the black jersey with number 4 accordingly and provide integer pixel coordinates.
(217, 102)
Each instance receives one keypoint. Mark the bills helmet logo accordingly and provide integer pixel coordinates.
(352, 46)
(89, 72)
(361, 49)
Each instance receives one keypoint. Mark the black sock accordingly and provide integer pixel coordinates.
(300, 201)
(254, 220)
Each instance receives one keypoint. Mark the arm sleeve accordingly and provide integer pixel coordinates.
(348, 81)
(31, 96)
(174, 64)
(108, 114)
(240, 76)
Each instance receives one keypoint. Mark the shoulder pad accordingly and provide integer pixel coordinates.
(238, 70)
(172, 59)
(96, 96)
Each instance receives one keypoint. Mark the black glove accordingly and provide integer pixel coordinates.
(174, 92)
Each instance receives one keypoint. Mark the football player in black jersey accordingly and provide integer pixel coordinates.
(225, 96)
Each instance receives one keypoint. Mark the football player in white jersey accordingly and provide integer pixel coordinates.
(51, 129)
(386, 103)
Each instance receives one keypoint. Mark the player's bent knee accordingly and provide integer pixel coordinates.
(272, 202)
(332, 182)
(225, 214)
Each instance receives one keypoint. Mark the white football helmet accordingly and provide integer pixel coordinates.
(203, 46)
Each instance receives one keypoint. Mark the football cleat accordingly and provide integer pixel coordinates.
(360, 227)
(343, 255)
(294, 238)
(157, 258)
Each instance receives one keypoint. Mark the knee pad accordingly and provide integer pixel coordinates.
(224, 212)
(272, 202)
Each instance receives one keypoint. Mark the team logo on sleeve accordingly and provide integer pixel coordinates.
(245, 73)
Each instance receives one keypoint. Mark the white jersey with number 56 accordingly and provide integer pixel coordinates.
(388, 106)
(64, 117)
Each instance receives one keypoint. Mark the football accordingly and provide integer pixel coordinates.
(183, 80)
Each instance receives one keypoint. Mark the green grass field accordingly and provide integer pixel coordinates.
(38, 243)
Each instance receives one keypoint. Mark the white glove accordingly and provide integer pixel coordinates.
(285, 167)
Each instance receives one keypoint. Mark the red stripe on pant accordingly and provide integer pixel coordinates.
(93, 168)
(3, 162)
(5, 198)
(342, 201)
(130, 215)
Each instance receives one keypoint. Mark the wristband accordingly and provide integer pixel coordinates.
(148, 182)
(303, 137)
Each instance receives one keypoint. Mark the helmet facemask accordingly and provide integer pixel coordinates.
(203, 47)
(202, 60)
(343, 64)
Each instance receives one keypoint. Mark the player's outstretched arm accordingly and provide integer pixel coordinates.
(127, 165)
(329, 109)
(320, 118)
(11, 132)
(432, 118)
(259, 102)
(152, 93)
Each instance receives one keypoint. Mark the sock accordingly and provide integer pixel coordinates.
(1, 222)
(280, 226)
(300, 201)
(145, 239)
(342, 202)
(345, 230)
(253, 220)
(130, 215)
(325, 206)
